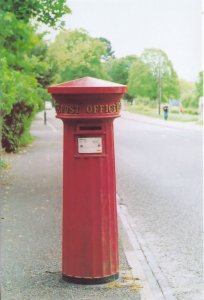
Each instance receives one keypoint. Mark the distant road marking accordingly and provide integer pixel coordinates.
(142, 263)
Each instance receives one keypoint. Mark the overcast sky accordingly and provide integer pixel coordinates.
(174, 26)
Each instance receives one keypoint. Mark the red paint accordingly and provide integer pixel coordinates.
(88, 107)
(87, 85)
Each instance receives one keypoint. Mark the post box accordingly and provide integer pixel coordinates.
(88, 107)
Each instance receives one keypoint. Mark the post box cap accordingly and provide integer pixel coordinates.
(87, 85)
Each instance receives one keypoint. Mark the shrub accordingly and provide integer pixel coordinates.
(20, 101)
(191, 111)
(15, 125)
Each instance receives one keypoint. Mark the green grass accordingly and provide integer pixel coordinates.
(3, 164)
(153, 112)
(26, 139)
(182, 117)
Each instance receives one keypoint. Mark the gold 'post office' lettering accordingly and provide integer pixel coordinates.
(90, 109)
(103, 108)
(67, 109)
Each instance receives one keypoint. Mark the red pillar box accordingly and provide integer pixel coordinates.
(88, 107)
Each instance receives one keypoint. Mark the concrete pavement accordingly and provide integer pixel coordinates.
(31, 200)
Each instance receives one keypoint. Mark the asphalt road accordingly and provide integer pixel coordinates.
(159, 179)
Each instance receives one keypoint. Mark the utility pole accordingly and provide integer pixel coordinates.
(159, 87)
(45, 114)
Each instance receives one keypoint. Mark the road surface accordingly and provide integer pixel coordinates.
(159, 180)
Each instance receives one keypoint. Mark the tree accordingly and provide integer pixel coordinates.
(44, 68)
(109, 51)
(141, 82)
(163, 72)
(187, 93)
(17, 66)
(118, 68)
(42, 10)
(199, 86)
(77, 55)
(17, 39)
(19, 102)
(25, 72)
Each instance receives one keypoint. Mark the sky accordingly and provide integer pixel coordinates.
(175, 26)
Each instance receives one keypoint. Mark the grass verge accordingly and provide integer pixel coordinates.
(153, 112)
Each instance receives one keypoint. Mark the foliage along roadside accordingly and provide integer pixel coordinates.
(24, 67)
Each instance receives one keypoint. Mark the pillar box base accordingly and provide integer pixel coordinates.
(91, 281)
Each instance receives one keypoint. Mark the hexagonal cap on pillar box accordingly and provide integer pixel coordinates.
(87, 97)
(87, 85)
